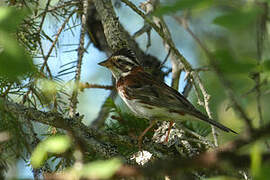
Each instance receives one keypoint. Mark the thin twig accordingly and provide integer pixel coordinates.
(226, 84)
(81, 50)
(149, 7)
(206, 98)
(187, 88)
(83, 86)
(43, 17)
(165, 60)
(55, 40)
(7, 90)
(65, 5)
(43, 56)
(146, 28)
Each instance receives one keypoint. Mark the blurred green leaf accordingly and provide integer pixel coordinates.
(48, 90)
(11, 17)
(238, 19)
(57, 144)
(38, 156)
(101, 169)
(256, 159)
(181, 5)
(228, 64)
(54, 144)
(14, 61)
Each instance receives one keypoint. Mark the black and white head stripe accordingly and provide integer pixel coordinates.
(128, 55)
(123, 63)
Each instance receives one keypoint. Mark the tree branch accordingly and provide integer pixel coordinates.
(113, 30)
(81, 50)
(91, 141)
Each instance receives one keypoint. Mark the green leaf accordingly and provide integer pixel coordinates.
(11, 17)
(101, 169)
(38, 156)
(238, 19)
(57, 144)
(181, 5)
(228, 64)
(54, 144)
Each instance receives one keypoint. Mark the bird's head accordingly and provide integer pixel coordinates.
(121, 62)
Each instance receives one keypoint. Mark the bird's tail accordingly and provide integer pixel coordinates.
(214, 123)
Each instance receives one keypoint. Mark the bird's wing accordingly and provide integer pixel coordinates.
(145, 89)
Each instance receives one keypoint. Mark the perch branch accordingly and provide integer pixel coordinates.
(90, 140)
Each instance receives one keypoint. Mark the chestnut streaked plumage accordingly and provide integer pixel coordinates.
(148, 97)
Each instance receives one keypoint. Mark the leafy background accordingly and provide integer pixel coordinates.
(227, 28)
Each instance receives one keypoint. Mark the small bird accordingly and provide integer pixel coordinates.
(148, 97)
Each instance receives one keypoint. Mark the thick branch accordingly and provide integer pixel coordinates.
(82, 134)
(90, 140)
(113, 30)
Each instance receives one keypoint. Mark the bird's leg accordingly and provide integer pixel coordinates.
(144, 132)
(169, 130)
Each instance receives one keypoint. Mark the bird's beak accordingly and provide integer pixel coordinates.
(105, 63)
